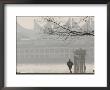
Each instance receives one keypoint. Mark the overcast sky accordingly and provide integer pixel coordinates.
(28, 22)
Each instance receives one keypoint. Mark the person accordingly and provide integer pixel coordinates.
(93, 70)
(69, 64)
(84, 68)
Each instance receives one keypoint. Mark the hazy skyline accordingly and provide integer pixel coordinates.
(28, 21)
(45, 44)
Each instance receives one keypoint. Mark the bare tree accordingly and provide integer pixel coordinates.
(66, 32)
